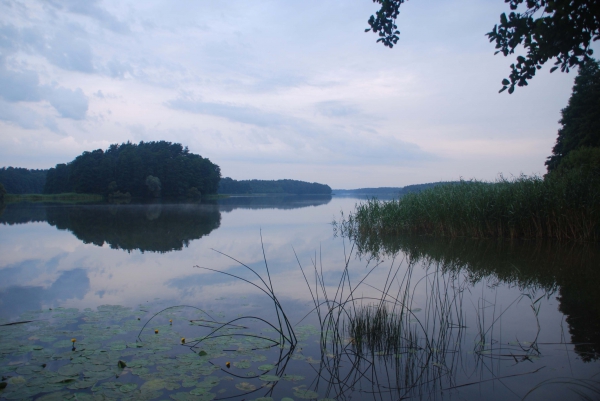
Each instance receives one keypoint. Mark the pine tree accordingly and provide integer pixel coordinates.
(581, 118)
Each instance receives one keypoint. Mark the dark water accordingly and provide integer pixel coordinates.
(484, 319)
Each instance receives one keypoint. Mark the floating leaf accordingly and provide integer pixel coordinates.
(153, 385)
(243, 364)
(126, 388)
(266, 367)
(293, 378)
(245, 386)
(70, 370)
(269, 378)
(58, 396)
(258, 358)
(305, 393)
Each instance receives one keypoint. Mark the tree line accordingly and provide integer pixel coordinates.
(147, 169)
(231, 186)
(17, 180)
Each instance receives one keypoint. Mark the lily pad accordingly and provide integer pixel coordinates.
(243, 364)
(266, 367)
(269, 378)
(126, 388)
(153, 385)
(305, 393)
(245, 386)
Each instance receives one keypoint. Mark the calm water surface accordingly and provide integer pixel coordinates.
(482, 319)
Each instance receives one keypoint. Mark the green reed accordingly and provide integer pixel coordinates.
(564, 208)
(65, 197)
(383, 341)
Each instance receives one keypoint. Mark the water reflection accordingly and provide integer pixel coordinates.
(153, 227)
(272, 202)
(16, 299)
(568, 269)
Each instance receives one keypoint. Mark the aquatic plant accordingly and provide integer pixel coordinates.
(385, 342)
(560, 207)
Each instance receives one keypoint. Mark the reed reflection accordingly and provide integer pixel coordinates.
(568, 269)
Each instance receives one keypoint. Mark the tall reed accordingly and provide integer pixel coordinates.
(559, 207)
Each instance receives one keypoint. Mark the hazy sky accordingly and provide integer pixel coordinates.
(274, 89)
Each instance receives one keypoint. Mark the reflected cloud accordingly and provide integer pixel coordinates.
(24, 271)
(71, 284)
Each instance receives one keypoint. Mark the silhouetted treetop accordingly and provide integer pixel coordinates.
(128, 167)
(546, 29)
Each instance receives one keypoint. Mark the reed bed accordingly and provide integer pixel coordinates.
(384, 344)
(66, 197)
(558, 207)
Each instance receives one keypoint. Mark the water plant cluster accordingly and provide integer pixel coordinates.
(122, 353)
(384, 344)
(405, 337)
(559, 207)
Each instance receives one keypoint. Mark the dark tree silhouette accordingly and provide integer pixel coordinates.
(581, 118)
(127, 168)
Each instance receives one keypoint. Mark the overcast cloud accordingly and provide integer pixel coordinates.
(274, 89)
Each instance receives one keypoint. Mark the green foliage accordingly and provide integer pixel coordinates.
(581, 118)
(230, 186)
(62, 198)
(126, 168)
(193, 193)
(527, 207)
(2, 192)
(153, 184)
(581, 161)
(546, 29)
(22, 181)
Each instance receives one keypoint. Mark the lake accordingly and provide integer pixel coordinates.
(137, 286)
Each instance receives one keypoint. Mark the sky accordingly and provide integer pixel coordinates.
(273, 89)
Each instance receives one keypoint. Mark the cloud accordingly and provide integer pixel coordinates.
(18, 86)
(8, 33)
(69, 103)
(65, 48)
(24, 86)
(118, 69)
(241, 114)
(334, 108)
(90, 8)
(20, 115)
(68, 51)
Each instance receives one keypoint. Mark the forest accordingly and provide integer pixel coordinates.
(144, 170)
(230, 186)
(394, 191)
(22, 181)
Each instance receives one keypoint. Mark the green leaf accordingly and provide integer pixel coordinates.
(269, 378)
